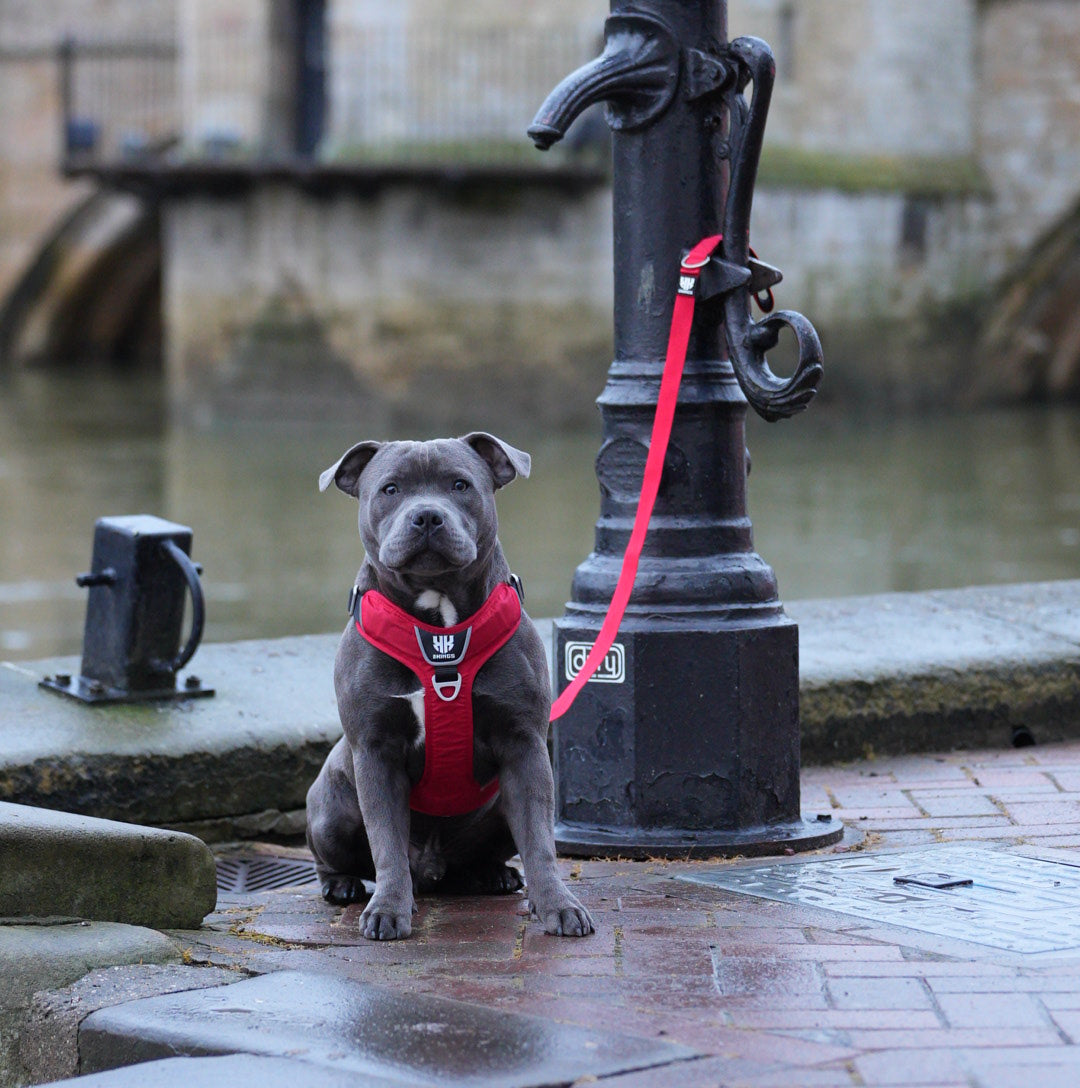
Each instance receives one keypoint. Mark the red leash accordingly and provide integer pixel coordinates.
(681, 320)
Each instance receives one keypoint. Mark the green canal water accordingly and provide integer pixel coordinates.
(841, 504)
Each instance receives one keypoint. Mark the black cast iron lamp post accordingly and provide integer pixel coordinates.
(686, 742)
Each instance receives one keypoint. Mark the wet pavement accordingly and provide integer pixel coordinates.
(758, 991)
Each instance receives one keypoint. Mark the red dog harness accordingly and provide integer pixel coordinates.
(446, 661)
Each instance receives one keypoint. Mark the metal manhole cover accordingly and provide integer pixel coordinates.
(262, 872)
(991, 897)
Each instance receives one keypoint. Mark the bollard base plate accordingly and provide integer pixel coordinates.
(585, 841)
(95, 693)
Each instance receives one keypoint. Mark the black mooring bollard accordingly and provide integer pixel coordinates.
(686, 742)
(139, 573)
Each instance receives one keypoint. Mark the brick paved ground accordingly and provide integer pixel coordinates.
(771, 994)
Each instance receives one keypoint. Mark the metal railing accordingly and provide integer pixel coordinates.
(119, 100)
(392, 95)
(445, 92)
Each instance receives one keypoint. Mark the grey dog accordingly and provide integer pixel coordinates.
(428, 525)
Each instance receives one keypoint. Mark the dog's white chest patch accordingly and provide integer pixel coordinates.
(416, 701)
(434, 601)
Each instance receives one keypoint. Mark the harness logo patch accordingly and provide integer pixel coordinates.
(612, 669)
(443, 649)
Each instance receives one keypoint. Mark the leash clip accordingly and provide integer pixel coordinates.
(689, 271)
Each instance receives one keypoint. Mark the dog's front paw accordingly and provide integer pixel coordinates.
(564, 918)
(386, 921)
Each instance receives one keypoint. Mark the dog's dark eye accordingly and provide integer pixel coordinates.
(461, 485)
(390, 489)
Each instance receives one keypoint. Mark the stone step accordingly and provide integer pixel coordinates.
(62, 864)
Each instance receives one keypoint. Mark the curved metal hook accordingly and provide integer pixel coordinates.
(198, 606)
(778, 398)
(771, 397)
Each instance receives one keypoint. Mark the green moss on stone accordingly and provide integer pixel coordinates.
(932, 176)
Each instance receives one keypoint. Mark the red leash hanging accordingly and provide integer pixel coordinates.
(681, 320)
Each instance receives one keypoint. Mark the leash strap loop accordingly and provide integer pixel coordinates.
(682, 319)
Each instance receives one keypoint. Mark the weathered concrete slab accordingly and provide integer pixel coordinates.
(915, 672)
(360, 1029)
(52, 954)
(243, 1070)
(235, 765)
(58, 863)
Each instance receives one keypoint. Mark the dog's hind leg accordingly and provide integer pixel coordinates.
(475, 849)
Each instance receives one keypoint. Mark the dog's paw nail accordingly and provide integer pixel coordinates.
(379, 926)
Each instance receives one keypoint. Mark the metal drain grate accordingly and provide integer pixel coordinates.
(263, 873)
(992, 897)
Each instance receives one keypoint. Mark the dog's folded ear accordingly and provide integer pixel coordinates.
(505, 462)
(345, 472)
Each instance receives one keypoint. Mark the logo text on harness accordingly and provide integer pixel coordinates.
(447, 648)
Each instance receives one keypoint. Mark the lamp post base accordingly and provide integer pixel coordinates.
(584, 841)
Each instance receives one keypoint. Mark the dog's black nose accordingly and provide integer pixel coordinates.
(427, 519)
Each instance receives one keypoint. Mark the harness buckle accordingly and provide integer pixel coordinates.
(354, 596)
(447, 684)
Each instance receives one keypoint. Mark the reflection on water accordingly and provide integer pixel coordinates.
(840, 506)
(843, 506)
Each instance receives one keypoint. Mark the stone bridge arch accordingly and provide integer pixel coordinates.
(92, 294)
(1031, 342)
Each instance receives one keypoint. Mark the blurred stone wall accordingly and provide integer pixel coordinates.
(412, 304)
(1028, 127)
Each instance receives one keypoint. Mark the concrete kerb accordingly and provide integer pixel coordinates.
(48, 1043)
(378, 1032)
(240, 1069)
(929, 672)
(233, 766)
